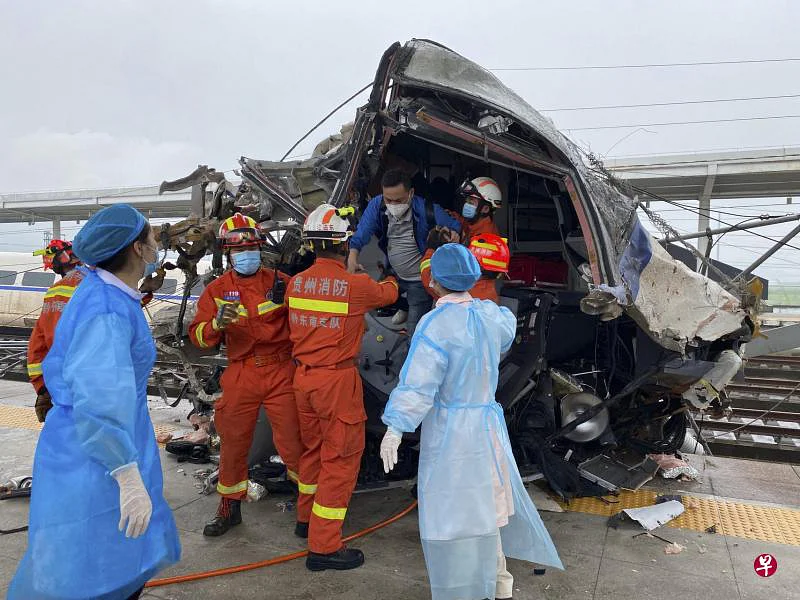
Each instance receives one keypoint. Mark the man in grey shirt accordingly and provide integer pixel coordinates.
(399, 219)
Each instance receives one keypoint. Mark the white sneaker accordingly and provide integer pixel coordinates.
(399, 317)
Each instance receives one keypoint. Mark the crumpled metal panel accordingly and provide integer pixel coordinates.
(297, 182)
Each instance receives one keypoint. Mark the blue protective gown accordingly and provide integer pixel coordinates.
(96, 372)
(447, 384)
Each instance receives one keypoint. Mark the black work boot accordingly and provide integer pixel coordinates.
(301, 530)
(341, 560)
(229, 513)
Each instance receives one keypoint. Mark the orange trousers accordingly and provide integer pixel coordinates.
(330, 404)
(245, 388)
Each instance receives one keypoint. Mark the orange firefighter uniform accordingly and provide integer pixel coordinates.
(480, 227)
(326, 319)
(55, 299)
(260, 373)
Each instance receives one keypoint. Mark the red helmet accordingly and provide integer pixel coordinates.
(240, 231)
(491, 251)
(58, 255)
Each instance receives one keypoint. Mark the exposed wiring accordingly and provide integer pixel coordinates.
(325, 118)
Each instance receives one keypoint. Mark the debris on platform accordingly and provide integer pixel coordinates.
(651, 517)
(197, 437)
(287, 506)
(712, 529)
(672, 467)
(613, 474)
(674, 548)
(200, 421)
(255, 491)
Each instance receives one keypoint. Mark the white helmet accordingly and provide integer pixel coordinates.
(484, 188)
(326, 222)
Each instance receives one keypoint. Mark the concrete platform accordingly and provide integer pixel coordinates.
(600, 562)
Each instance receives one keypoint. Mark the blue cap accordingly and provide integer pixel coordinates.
(455, 268)
(107, 232)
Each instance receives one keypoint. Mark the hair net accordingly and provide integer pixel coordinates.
(107, 232)
(454, 267)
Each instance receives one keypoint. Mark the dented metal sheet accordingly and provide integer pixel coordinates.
(652, 517)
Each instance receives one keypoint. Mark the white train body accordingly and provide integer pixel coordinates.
(23, 283)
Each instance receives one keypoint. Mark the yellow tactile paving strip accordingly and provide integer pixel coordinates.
(22, 417)
(739, 519)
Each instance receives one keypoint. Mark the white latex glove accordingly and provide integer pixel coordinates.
(389, 446)
(135, 506)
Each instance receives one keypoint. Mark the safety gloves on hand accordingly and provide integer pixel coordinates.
(389, 446)
(227, 314)
(43, 404)
(135, 506)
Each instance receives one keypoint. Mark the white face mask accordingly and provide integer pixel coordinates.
(398, 210)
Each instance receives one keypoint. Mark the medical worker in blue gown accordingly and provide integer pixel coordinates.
(473, 508)
(99, 524)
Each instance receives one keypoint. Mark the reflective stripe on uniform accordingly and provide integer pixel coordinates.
(233, 489)
(484, 245)
(198, 333)
(495, 263)
(332, 514)
(64, 291)
(425, 264)
(307, 488)
(391, 281)
(292, 475)
(34, 369)
(241, 310)
(268, 306)
(326, 306)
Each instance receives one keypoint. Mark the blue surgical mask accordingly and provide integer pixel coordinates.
(150, 267)
(468, 211)
(247, 262)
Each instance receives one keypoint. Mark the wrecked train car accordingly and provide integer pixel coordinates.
(615, 338)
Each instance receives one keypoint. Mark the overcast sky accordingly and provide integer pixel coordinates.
(99, 93)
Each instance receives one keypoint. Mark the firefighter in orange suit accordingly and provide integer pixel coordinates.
(326, 319)
(245, 306)
(59, 257)
(482, 197)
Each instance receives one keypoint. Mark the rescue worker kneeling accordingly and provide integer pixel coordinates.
(326, 319)
(473, 507)
(246, 307)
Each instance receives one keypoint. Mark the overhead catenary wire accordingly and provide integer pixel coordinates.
(674, 103)
(651, 65)
(689, 209)
(676, 123)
